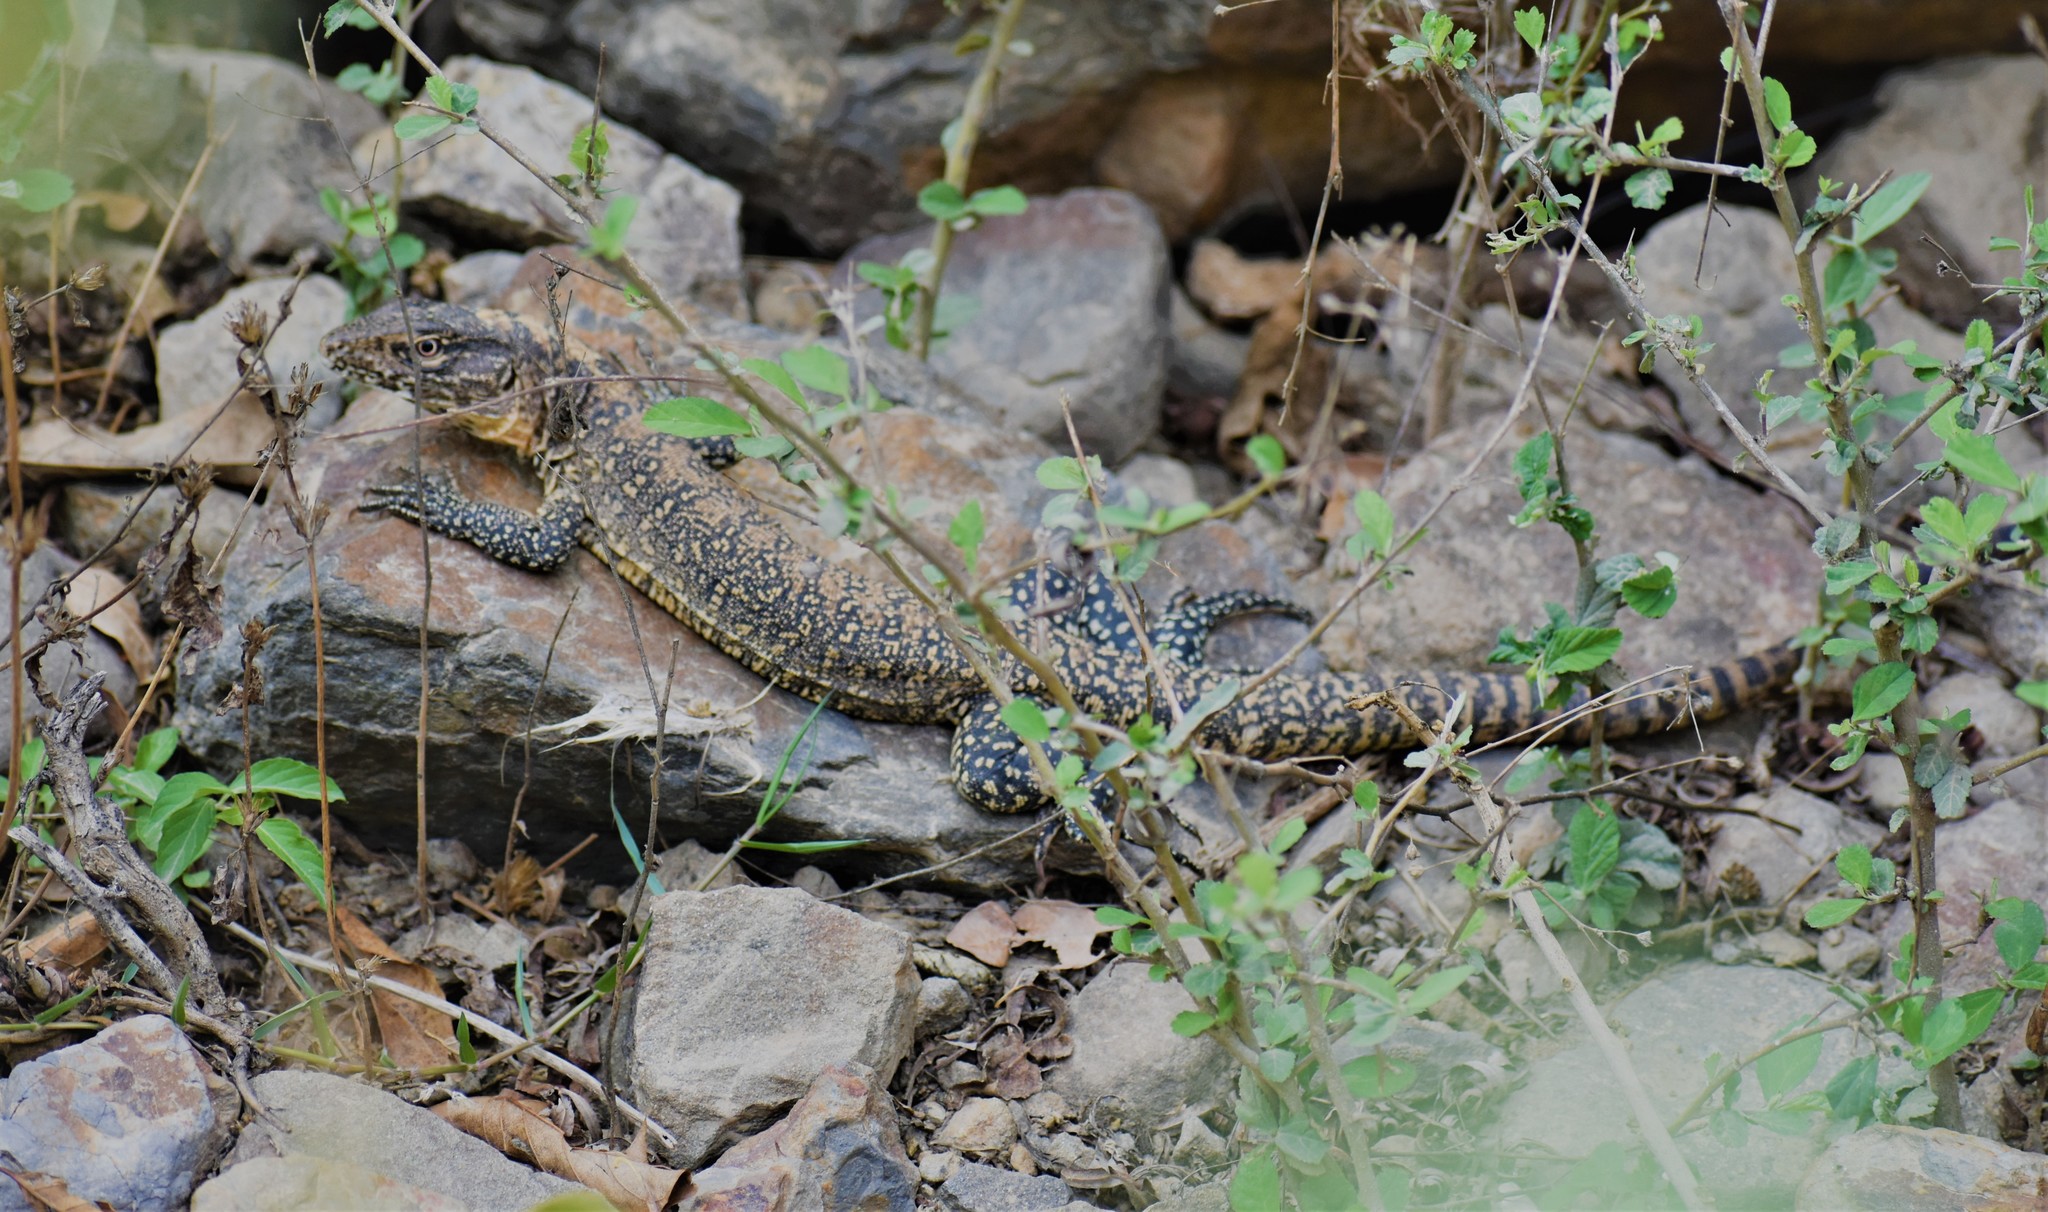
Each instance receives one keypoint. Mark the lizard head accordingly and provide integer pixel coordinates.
(484, 367)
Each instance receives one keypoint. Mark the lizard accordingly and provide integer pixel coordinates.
(657, 509)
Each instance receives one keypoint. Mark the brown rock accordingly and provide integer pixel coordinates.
(837, 1148)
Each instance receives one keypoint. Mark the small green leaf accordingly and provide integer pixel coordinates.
(1529, 24)
(185, 835)
(465, 1051)
(1648, 188)
(1266, 454)
(1833, 911)
(1888, 204)
(1375, 520)
(1653, 593)
(1880, 689)
(695, 417)
(287, 776)
(999, 200)
(824, 369)
(1255, 1186)
(2034, 694)
(346, 12)
(38, 190)
(419, 126)
(1580, 649)
(1436, 987)
(1780, 1070)
(1190, 1023)
(1062, 473)
(1777, 104)
(608, 238)
(1374, 1077)
(1853, 865)
(1366, 794)
(942, 200)
(966, 534)
(282, 836)
(1114, 915)
(1027, 719)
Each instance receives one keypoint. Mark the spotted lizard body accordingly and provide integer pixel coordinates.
(657, 509)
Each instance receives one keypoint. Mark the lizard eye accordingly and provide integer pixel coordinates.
(427, 347)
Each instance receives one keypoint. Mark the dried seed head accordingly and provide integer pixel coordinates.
(248, 325)
(92, 277)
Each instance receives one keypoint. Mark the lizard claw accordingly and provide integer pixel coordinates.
(408, 498)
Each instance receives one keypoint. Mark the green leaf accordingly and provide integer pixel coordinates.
(143, 786)
(1580, 649)
(999, 200)
(288, 776)
(1374, 1076)
(1255, 1186)
(1595, 839)
(1266, 454)
(2019, 932)
(1190, 1023)
(185, 834)
(1290, 833)
(2034, 694)
(1777, 104)
(942, 200)
(775, 376)
(1436, 987)
(465, 1051)
(1880, 689)
(1375, 520)
(38, 190)
(1027, 719)
(1648, 188)
(283, 838)
(824, 369)
(1652, 593)
(608, 238)
(1299, 1140)
(346, 12)
(695, 417)
(1062, 473)
(1366, 794)
(1888, 205)
(1833, 911)
(1115, 915)
(1781, 1069)
(1215, 699)
(1852, 863)
(822, 846)
(1529, 24)
(966, 534)
(1795, 149)
(419, 126)
(177, 791)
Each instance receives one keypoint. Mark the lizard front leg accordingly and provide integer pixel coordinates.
(538, 542)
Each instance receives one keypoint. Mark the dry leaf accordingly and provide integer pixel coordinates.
(73, 944)
(1067, 928)
(118, 211)
(120, 622)
(511, 1125)
(416, 1036)
(1230, 286)
(986, 933)
(47, 1191)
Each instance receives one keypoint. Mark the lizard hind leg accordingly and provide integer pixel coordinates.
(992, 768)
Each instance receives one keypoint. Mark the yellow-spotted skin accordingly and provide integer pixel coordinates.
(655, 508)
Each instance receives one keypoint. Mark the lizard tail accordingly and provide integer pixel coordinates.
(1291, 717)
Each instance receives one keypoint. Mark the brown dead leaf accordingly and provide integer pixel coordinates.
(61, 447)
(47, 1191)
(510, 1124)
(120, 622)
(986, 933)
(1010, 1069)
(118, 211)
(1231, 286)
(73, 944)
(1067, 928)
(416, 1036)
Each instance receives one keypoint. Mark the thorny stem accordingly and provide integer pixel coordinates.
(959, 159)
(16, 719)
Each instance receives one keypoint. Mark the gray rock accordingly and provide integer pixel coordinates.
(1203, 359)
(685, 233)
(1972, 124)
(196, 359)
(745, 996)
(2014, 622)
(260, 198)
(337, 1120)
(942, 1004)
(837, 1148)
(2008, 725)
(1791, 834)
(1746, 579)
(1570, 1102)
(1070, 298)
(129, 1118)
(1906, 1169)
(1125, 1049)
(455, 937)
(91, 514)
(479, 278)
(829, 115)
(1209, 1197)
(1747, 273)
(296, 1184)
(981, 1125)
(978, 1188)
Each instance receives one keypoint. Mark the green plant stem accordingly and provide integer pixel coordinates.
(959, 159)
